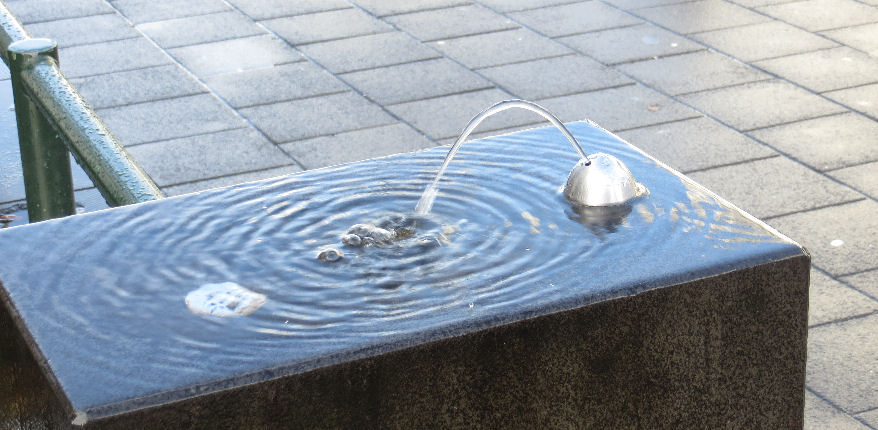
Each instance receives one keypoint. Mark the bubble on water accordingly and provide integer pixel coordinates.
(226, 299)
(330, 255)
(352, 240)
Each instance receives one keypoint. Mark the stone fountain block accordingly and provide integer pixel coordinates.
(679, 311)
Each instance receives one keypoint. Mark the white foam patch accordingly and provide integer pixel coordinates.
(227, 299)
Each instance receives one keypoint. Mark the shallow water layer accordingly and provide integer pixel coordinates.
(501, 244)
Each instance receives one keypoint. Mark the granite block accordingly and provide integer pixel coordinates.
(693, 17)
(267, 9)
(169, 119)
(451, 22)
(212, 27)
(414, 81)
(683, 144)
(703, 70)
(109, 57)
(141, 11)
(189, 159)
(638, 42)
(368, 52)
(85, 30)
(574, 18)
(226, 181)
(274, 84)
(235, 55)
(763, 40)
(395, 7)
(863, 99)
(137, 86)
(33, 11)
(315, 116)
(553, 77)
(825, 143)
(867, 282)
(862, 37)
(325, 26)
(761, 104)
(349, 146)
(830, 300)
(819, 15)
(841, 360)
(820, 415)
(825, 70)
(774, 186)
(503, 47)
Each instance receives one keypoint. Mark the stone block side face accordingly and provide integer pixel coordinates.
(722, 352)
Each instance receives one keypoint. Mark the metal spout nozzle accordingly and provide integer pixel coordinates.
(605, 181)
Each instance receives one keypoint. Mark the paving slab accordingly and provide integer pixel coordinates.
(758, 3)
(830, 300)
(842, 358)
(862, 37)
(870, 417)
(267, 9)
(761, 104)
(820, 415)
(825, 70)
(414, 81)
(863, 99)
(325, 26)
(356, 145)
(574, 18)
(137, 86)
(551, 77)
(368, 52)
(452, 22)
(168, 119)
(619, 108)
(274, 84)
(394, 7)
(316, 116)
(109, 57)
(634, 43)
(141, 11)
(640, 4)
(693, 17)
(819, 15)
(774, 186)
(212, 27)
(696, 144)
(688, 73)
(225, 181)
(69, 32)
(189, 159)
(842, 239)
(863, 178)
(235, 55)
(503, 47)
(763, 40)
(517, 5)
(31, 11)
(866, 282)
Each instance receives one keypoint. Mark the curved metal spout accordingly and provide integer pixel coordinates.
(426, 202)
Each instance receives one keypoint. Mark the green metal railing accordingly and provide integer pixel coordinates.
(54, 121)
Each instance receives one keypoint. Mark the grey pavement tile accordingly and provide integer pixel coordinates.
(870, 417)
(551, 77)
(485, 134)
(30, 11)
(696, 71)
(842, 358)
(274, 84)
(820, 415)
(760, 104)
(445, 117)
(619, 108)
(235, 55)
(324, 26)
(226, 181)
(503, 47)
(764, 40)
(451, 22)
(516, 5)
(316, 116)
(696, 144)
(825, 143)
(413, 81)
(700, 16)
(168, 119)
(89, 200)
(842, 239)
(356, 145)
(639, 42)
(863, 99)
(830, 300)
(866, 282)
(640, 4)
(393, 7)
(758, 3)
(137, 86)
(109, 57)
(818, 15)
(862, 37)
(773, 186)
(574, 18)
(200, 29)
(84, 30)
(267, 9)
(367, 52)
(141, 11)
(211, 155)
(863, 178)
(826, 70)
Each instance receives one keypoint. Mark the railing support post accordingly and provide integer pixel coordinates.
(44, 157)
